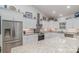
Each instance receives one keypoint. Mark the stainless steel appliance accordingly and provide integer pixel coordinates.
(11, 35)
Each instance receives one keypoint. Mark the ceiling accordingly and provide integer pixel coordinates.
(57, 10)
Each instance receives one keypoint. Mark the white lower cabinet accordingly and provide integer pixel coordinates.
(31, 39)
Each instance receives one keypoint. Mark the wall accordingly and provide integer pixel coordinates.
(12, 15)
(73, 23)
(70, 23)
(50, 24)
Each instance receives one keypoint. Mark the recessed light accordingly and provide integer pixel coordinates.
(61, 15)
(68, 7)
(54, 12)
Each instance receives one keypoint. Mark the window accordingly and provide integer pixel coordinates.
(28, 15)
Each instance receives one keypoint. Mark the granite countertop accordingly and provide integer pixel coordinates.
(37, 33)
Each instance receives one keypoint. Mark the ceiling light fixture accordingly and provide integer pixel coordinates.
(54, 12)
(68, 7)
(61, 15)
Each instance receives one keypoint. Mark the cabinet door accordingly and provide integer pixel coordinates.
(17, 31)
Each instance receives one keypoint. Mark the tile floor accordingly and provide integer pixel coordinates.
(53, 43)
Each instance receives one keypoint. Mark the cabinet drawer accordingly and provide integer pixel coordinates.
(16, 44)
(7, 47)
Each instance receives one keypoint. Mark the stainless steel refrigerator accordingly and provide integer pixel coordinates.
(11, 35)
